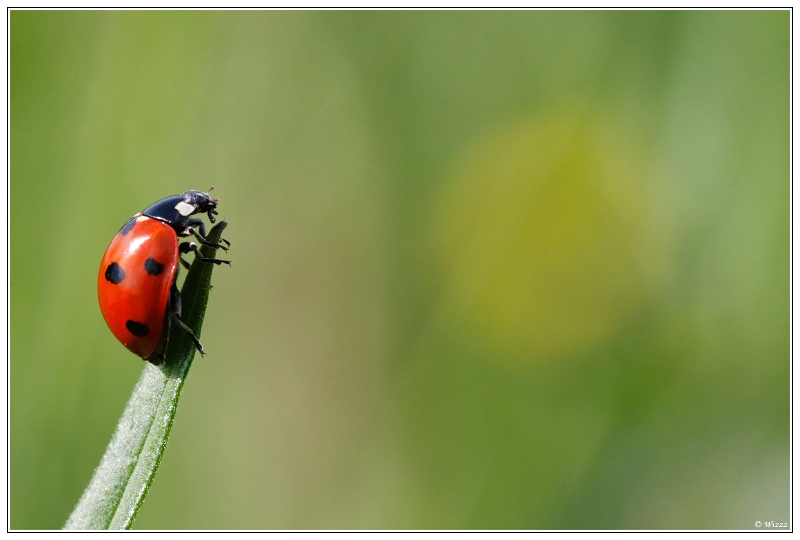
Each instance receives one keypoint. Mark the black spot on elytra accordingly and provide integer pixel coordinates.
(128, 226)
(153, 267)
(115, 273)
(137, 329)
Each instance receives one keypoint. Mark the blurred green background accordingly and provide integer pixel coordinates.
(491, 269)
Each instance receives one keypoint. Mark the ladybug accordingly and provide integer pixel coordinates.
(136, 284)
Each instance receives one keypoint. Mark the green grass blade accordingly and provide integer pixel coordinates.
(121, 481)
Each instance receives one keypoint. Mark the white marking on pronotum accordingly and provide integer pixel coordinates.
(184, 208)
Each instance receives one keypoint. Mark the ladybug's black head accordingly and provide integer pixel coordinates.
(175, 210)
(203, 203)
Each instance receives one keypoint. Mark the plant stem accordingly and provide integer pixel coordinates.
(121, 481)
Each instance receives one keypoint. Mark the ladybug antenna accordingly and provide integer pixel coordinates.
(212, 199)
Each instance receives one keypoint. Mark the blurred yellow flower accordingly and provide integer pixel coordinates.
(546, 236)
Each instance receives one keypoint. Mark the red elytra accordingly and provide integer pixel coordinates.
(136, 274)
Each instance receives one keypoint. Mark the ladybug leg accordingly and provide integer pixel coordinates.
(186, 247)
(175, 313)
(201, 234)
(197, 344)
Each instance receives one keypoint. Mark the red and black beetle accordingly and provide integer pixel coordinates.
(136, 284)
